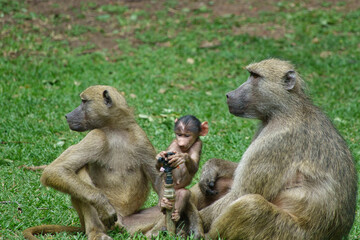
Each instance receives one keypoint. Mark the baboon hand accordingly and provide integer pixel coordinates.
(165, 204)
(175, 216)
(207, 184)
(107, 215)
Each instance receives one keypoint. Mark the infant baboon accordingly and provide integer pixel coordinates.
(186, 149)
(297, 179)
(108, 172)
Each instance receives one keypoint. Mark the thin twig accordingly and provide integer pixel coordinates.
(3, 142)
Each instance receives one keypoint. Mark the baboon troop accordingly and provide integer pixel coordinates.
(296, 180)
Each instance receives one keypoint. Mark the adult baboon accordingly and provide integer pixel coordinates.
(107, 173)
(297, 179)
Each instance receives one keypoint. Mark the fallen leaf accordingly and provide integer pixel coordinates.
(162, 90)
(144, 116)
(315, 40)
(59, 144)
(325, 54)
(212, 44)
(190, 61)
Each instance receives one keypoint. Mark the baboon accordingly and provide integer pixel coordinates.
(186, 149)
(297, 178)
(108, 173)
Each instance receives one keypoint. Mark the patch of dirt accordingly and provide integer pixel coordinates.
(79, 22)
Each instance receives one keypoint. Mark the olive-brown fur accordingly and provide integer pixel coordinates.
(297, 178)
(108, 173)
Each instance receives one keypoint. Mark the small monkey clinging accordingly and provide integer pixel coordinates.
(187, 148)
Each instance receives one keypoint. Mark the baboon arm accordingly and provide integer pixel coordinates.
(62, 173)
(149, 169)
(194, 157)
(212, 170)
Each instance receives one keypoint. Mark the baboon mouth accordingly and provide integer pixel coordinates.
(235, 110)
(76, 127)
(184, 149)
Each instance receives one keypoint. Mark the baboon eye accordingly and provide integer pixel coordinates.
(83, 101)
(254, 75)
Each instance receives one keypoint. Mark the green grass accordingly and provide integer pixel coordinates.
(42, 74)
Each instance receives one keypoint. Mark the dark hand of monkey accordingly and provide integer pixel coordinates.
(208, 187)
(207, 180)
(107, 215)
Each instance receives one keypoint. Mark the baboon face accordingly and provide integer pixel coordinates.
(185, 139)
(268, 89)
(76, 119)
(94, 109)
(240, 101)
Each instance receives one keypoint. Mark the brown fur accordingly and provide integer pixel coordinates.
(108, 172)
(297, 179)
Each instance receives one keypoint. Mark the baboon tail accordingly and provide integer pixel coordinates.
(43, 229)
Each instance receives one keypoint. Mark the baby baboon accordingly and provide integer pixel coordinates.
(297, 179)
(186, 149)
(187, 146)
(107, 173)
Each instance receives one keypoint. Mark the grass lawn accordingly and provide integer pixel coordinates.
(170, 58)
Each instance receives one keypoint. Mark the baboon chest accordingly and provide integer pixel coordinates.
(113, 172)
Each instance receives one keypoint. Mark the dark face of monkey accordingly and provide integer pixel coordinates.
(79, 118)
(240, 99)
(76, 118)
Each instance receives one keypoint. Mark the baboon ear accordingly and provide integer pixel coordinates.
(204, 128)
(290, 80)
(107, 98)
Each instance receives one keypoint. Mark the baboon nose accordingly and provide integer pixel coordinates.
(227, 96)
(66, 116)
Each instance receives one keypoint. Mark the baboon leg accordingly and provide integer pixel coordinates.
(195, 222)
(253, 217)
(143, 221)
(181, 200)
(89, 218)
(159, 226)
(76, 204)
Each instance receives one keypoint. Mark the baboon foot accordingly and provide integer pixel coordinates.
(98, 236)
